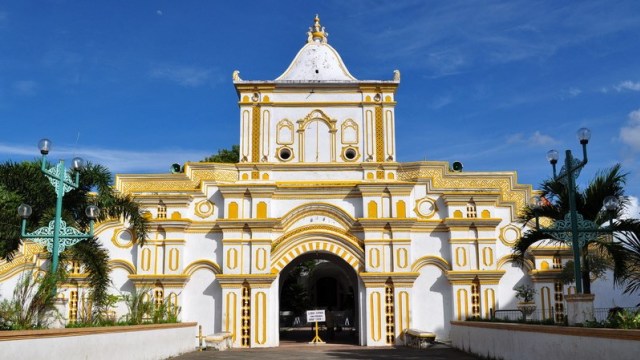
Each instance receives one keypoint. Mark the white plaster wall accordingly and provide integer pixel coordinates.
(8, 285)
(150, 344)
(432, 302)
(508, 344)
(202, 301)
(435, 244)
(514, 276)
(200, 246)
(120, 285)
(608, 295)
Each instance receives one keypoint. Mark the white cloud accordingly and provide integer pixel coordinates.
(116, 160)
(441, 101)
(536, 139)
(539, 138)
(25, 87)
(628, 85)
(159, 12)
(574, 92)
(630, 134)
(188, 76)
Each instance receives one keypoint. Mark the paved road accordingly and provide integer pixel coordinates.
(296, 351)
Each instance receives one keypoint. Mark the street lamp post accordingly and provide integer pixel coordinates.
(574, 228)
(58, 236)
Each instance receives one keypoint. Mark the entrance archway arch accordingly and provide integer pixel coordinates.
(313, 239)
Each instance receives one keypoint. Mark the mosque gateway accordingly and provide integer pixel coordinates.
(319, 206)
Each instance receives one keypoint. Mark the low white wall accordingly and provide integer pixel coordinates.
(523, 341)
(159, 341)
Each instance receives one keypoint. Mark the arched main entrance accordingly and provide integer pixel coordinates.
(319, 281)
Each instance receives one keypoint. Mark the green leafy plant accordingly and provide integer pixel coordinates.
(525, 293)
(32, 305)
(139, 306)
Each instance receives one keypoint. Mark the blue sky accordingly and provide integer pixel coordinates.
(138, 85)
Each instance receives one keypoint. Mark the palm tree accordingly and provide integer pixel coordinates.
(24, 183)
(609, 182)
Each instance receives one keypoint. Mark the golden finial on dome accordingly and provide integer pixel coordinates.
(316, 32)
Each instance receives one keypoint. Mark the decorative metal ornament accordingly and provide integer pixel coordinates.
(587, 230)
(68, 236)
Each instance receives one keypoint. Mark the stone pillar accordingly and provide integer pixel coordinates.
(579, 308)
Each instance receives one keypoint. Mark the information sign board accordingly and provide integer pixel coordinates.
(315, 315)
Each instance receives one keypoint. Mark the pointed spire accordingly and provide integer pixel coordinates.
(316, 32)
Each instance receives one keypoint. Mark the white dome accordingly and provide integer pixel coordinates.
(317, 61)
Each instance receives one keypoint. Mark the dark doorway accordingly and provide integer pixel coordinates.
(318, 281)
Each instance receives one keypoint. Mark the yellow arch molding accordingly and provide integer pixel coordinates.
(317, 208)
(528, 264)
(318, 229)
(436, 261)
(202, 264)
(316, 114)
(315, 241)
(122, 264)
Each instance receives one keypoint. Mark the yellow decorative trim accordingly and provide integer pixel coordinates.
(255, 134)
(402, 258)
(261, 259)
(504, 235)
(204, 208)
(461, 256)
(313, 240)
(232, 258)
(21, 261)
(462, 299)
(174, 259)
(401, 209)
(280, 138)
(233, 210)
(230, 315)
(487, 256)
(116, 236)
(145, 259)
(202, 264)
(122, 264)
(372, 210)
(374, 258)
(442, 179)
(376, 322)
(261, 210)
(426, 213)
(317, 114)
(436, 261)
(528, 264)
(346, 125)
(261, 317)
(379, 134)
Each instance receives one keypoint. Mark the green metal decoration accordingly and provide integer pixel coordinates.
(57, 236)
(574, 229)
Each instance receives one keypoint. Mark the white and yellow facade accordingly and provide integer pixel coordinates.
(318, 174)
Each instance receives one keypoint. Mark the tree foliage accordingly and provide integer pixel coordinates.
(225, 155)
(617, 254)
(24, 183)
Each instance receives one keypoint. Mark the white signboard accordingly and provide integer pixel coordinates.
(315, 315)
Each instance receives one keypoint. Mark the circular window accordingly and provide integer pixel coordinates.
(285, 154)
(350, 154)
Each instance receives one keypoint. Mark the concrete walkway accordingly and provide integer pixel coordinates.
(297, 351)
